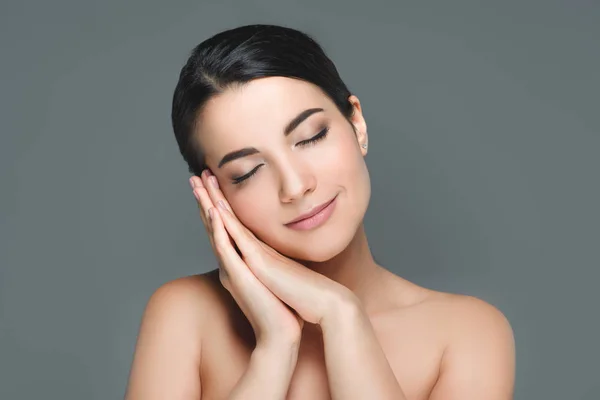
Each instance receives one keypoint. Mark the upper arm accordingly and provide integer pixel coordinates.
(479, 362)
(166, 362)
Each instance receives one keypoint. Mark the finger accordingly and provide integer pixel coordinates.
(203, 195)
(211, 185)
(204, 201)
(214, 191)
(229, 259)
(242, 237)
(216, 195)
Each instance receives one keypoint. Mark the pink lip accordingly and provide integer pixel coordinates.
(314, 217)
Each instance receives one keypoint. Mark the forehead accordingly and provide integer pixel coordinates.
(258, 107)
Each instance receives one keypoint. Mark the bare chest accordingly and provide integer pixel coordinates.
(413, 352)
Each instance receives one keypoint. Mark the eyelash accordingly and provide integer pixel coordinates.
(309, 142)
(319, 136)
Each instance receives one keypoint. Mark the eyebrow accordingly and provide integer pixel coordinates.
(289, 128)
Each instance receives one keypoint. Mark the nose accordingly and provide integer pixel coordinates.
(296, 182)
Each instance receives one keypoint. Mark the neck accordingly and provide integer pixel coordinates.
(354, 268)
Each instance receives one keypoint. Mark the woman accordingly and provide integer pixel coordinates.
(298, 308)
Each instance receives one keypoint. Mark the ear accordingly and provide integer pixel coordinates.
(360, 126)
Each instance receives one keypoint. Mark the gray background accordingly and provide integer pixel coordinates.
(483, 121)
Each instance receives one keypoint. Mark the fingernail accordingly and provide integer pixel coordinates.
(195, 182)
(221, 204)
(196, 195)
(213, 179)
(210, 214)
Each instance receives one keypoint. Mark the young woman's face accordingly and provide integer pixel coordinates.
(286, 174)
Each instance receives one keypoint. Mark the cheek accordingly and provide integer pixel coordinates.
(348, 170)
(343, 164)
(253, 209)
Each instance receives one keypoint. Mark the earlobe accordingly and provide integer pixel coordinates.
(363, 148)
(359, 124)
(362, 138)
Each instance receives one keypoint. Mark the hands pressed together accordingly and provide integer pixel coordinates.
(276, 293)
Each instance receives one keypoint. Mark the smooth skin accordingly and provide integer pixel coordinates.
(324, 320)
(314, 297)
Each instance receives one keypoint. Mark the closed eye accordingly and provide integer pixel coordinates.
(314, 139)
(240, 179)
(319, 136)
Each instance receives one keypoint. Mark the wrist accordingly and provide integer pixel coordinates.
(269, 373)
(345, 307)
(277, 347)
(280, 356)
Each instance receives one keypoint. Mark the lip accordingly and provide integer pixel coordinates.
(314, 217)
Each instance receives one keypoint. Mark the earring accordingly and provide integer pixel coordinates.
(364, 145)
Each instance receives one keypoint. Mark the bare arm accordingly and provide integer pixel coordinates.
(478, 363)
(268, 375)
(357, 367)
(167, 353)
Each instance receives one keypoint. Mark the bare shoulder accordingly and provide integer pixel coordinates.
(168, 349)
(461, 317)
(467, 315)
(459, 312)
(190, 296)
(479, 352)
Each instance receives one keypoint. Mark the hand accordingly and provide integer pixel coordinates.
(272, 321)
(313, 296)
